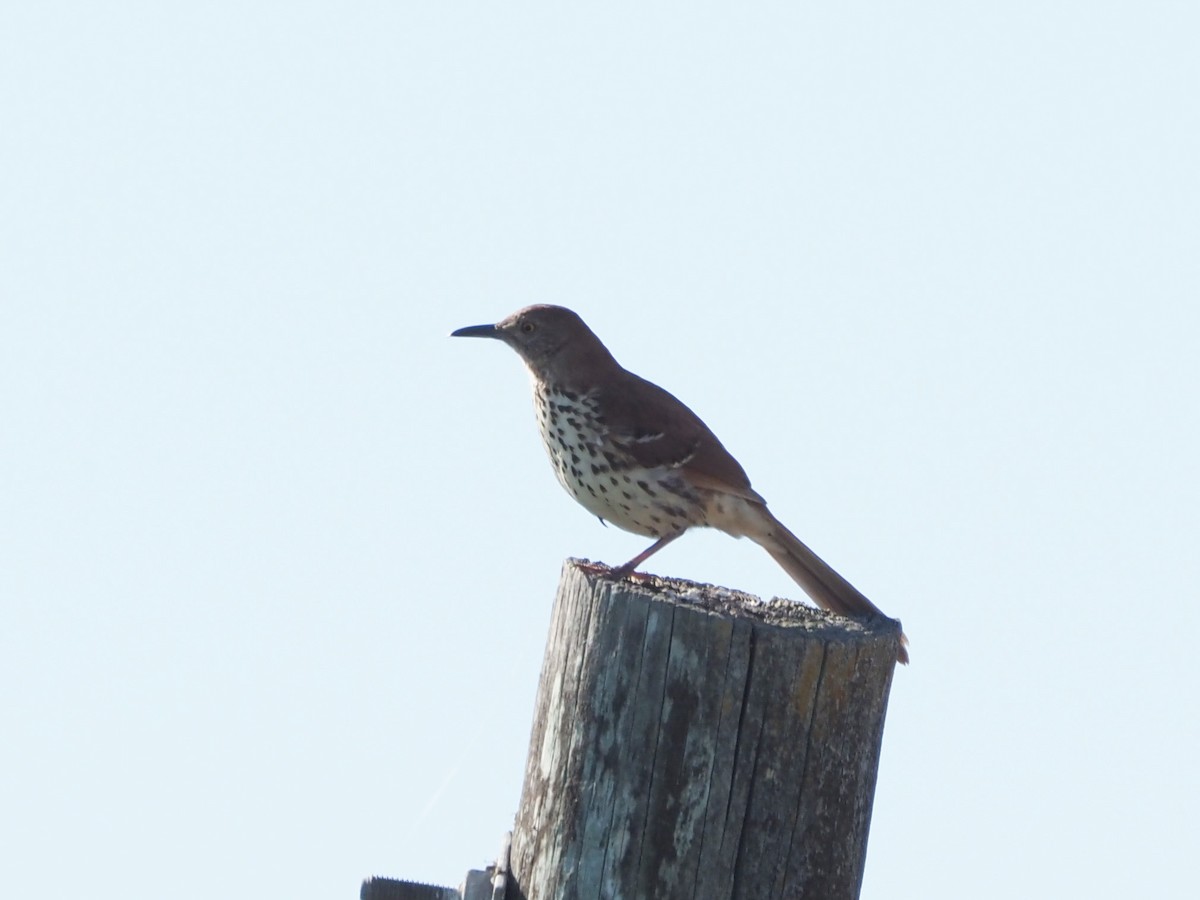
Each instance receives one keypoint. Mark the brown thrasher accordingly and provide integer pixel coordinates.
(634, 455)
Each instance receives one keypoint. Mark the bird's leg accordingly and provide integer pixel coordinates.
(627, 569)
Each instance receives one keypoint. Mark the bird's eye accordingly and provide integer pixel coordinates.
(528, 327)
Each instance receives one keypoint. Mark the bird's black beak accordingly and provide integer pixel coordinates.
(477, 331)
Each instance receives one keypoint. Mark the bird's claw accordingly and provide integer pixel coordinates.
(616, 573)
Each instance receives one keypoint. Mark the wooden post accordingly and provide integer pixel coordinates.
(690, 741)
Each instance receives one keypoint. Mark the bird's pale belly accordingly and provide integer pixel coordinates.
(605, 480)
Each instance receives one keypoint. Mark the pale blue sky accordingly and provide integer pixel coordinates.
(277, 556)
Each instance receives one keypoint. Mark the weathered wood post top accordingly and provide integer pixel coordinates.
(692, 741)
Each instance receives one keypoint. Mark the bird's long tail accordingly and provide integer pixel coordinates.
(819, 580)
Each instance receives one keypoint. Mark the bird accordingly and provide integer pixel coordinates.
(634, 455)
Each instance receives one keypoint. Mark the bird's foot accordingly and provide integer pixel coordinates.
(628, 572)
(620, 572)
(617, 573)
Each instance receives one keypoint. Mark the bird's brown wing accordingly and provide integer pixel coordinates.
(657, 429)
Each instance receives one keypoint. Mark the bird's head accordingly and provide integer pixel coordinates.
(553, 341)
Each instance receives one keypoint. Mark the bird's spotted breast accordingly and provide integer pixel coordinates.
(601, 475)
